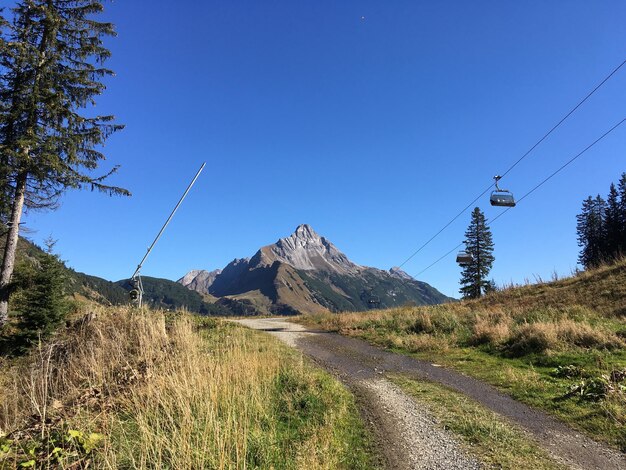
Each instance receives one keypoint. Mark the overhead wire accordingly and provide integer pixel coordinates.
(606, 79)
(562, 167)
(544, 137)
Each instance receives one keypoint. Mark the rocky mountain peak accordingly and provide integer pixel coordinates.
(305, 249)
(199, 280)
(304, 237)
(304, 272)
(400, 274)
(305, 232)
(190, 276)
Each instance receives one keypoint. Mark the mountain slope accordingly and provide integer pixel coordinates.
(306, 273)
(199, 280)
(159, 293)
(170, 295)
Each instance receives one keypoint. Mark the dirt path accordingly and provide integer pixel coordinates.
(410, 437)
(407, 436)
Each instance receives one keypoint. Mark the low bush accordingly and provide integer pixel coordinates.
(562, 335)
(532, 338)
(583, 335)
(569, 371)
(435, 322)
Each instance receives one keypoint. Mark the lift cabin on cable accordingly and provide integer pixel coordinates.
(501, 197)
(464, 258)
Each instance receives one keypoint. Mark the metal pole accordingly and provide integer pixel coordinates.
(136, 273)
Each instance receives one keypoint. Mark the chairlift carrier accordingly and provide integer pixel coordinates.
(501, 197)
(463, 258)
(372, 300)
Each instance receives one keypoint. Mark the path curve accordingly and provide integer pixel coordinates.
(411, 434)
(408, 437)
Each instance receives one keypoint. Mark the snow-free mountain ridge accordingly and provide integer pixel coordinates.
(305, 272)
(305, 249)
(199, 280)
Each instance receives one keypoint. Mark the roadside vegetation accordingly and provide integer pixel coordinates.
(496, 442)
(559, 346)
(121, 388)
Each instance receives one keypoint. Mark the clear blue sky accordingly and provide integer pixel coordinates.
(375, 131)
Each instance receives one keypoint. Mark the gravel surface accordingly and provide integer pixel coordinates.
(408, 435)
(419, 441)
(362, 366)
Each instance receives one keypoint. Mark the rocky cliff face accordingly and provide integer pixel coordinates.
(199, 280)
(304, 273)
(400, 274)
(229, 276)
(306, 250)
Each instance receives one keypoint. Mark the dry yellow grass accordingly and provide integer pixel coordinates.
(602, 290)
(130, 389)
(584, 311)
(560, 345)
(493, 328)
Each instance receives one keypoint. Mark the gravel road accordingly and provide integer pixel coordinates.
(408, 434)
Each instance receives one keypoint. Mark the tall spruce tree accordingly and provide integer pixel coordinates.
(479, 244)
(5, 204)
(591, 232)
(51, 67)
(613, 227)
(621, 189)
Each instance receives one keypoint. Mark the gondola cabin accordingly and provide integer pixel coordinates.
(502, 198)
(463, 257)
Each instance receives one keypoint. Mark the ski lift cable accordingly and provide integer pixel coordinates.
(552, 175)
(545, 136)
(568, 163)
(487, 189)
(444, 256)
(136, 293)
(180, 201)
(565, 117)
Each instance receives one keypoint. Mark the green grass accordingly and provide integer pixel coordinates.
(303, 408)
(290, 415)
(532, 380)
(173, 391)
(517, 337)
(493, 440)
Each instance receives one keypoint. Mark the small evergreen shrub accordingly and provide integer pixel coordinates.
(41, 298)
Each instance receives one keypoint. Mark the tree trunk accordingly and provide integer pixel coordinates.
(10, 248)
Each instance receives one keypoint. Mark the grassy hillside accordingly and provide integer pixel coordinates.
(126, 389)
(97, 289)
(560, 345)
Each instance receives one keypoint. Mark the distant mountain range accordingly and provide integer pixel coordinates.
(303, 272)
(306, 273)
